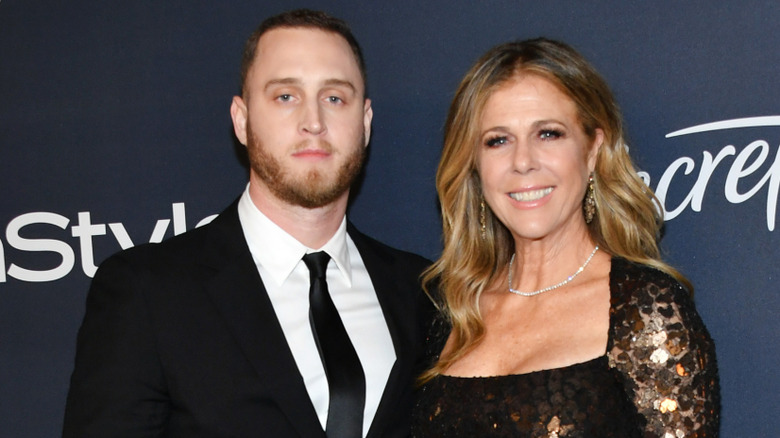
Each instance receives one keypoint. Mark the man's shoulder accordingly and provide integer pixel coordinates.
(223, 231)
(386, 252)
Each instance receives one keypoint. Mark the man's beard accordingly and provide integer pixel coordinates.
(313, 189)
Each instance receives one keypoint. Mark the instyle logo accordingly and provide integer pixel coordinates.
(85, 231)
(747, 162)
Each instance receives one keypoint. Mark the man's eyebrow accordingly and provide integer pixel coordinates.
(341, 83)
(281, 81)
(295, 81)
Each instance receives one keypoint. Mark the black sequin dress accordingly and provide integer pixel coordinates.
(659, 377)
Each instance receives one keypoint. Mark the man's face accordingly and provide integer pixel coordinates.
(304, 119)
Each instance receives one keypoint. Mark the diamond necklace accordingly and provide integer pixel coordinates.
(549, 288)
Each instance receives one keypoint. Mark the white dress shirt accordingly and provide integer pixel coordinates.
(278, 257)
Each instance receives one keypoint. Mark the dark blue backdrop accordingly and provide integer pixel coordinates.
(114, 130)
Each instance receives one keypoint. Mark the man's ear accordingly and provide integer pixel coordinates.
(368, 114)
(239, 115)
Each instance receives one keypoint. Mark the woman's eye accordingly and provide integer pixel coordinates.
(495, 141)
(550, 134)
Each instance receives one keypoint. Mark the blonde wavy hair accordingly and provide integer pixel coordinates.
(628, 219)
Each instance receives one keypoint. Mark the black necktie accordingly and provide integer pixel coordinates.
(346, 382)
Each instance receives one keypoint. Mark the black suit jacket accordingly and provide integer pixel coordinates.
(180, 340)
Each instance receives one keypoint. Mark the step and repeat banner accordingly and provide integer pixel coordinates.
(114, 131)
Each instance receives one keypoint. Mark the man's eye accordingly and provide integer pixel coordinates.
(335, 99)
(284, 97)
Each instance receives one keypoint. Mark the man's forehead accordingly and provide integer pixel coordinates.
(290, 51)
(283, 39)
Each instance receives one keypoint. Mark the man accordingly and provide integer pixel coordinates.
(211, 333)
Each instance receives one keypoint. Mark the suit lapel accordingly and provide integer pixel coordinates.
(380, 265)
(238, 292)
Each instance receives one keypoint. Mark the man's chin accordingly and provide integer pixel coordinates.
(306, 183)
(310, 192)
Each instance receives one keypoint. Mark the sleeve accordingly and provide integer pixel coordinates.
(117, 388)
(667, 360)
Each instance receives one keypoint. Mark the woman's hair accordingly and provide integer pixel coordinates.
(628, 219)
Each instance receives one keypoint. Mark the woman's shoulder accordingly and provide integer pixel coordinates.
(653, 315)
(628, 274)
(644, 298)
(645, 287)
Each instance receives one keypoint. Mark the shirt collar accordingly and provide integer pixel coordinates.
(278, 252)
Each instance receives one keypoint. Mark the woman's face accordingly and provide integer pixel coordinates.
(534, 158)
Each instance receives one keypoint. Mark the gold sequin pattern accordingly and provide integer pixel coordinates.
(661, 345)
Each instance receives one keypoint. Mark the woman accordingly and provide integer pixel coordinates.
(559, 318)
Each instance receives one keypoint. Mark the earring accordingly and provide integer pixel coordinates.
(589, 206)
(482, 220)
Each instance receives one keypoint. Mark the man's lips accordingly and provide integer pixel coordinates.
(312, 153)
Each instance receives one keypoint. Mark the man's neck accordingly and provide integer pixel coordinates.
(313, 227)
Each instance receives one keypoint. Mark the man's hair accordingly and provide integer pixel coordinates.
(304, 18)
